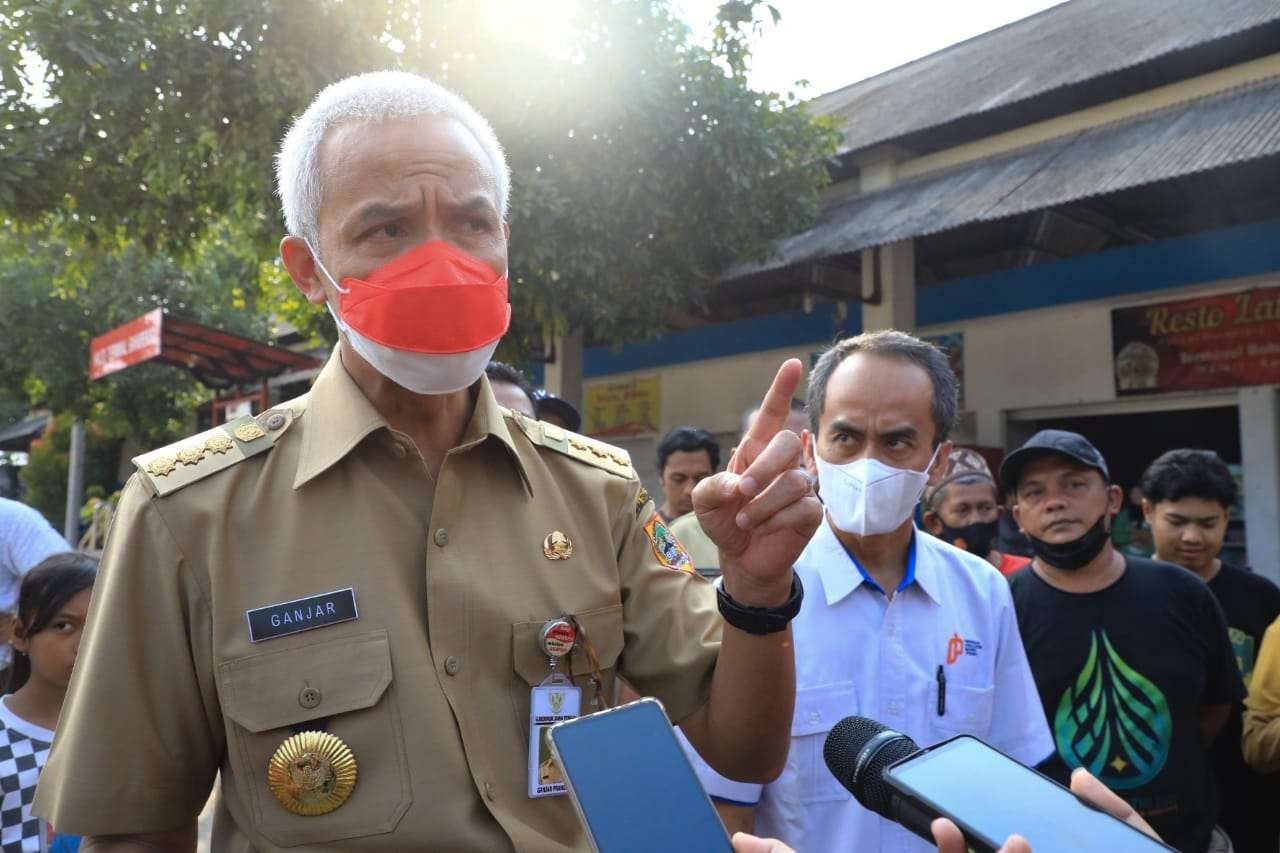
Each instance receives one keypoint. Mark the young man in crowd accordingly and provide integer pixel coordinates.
(686, 456)
(897, 625)
(1131, 656)
(963, 510)
(1187, 500)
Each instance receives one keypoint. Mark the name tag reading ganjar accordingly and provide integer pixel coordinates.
(302, 614)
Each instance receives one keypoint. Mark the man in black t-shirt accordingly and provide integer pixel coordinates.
(1188, 495)
(1130, 656)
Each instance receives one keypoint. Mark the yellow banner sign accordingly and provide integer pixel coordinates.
(627, 407)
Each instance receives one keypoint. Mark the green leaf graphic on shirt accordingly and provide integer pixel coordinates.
(1113, 721)
(1242, 645)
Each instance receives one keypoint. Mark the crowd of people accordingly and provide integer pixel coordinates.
(1087, 656)
(352, 620)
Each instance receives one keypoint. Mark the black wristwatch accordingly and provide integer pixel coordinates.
(760, 620)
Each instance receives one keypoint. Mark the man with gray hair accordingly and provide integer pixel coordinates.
(349, 606)
(898, 626)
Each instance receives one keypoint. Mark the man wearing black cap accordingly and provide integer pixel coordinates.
(1131, 657)
(556, 410)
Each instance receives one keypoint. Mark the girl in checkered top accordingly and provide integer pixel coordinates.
(52, 606)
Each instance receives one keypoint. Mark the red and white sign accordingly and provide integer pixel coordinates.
(124, 346)
(1227, 340)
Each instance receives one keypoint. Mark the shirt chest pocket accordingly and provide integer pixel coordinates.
(818, 709)
(340, 686)
(602, 628)
(967, 711)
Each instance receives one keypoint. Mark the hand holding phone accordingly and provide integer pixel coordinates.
(959, 779)
(1083, 784)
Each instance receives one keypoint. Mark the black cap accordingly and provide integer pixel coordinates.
(544, 401)
(1072, 445)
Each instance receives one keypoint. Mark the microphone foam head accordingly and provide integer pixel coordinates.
(857, 751)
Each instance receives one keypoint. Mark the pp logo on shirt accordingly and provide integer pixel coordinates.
(958, 646)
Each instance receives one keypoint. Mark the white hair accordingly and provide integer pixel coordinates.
(369, 98)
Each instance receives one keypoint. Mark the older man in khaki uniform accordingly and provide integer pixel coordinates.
(339, 604)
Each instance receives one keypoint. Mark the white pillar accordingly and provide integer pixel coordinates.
(563, 377)
(1260, 458)
(896, 274)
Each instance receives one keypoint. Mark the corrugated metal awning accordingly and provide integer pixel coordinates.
(1054, 49)
(1207, 133)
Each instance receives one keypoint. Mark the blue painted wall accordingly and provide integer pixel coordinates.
(1209, 256)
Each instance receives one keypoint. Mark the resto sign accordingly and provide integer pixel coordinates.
(1222, 341)
(127, 345)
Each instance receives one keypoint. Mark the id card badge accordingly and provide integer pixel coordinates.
(553, 701)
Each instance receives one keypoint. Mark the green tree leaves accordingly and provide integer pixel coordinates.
(643, 163)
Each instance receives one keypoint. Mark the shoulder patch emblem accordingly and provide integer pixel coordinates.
(642, 498)
(666, 547)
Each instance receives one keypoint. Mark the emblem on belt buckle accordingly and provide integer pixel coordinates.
(312, 773)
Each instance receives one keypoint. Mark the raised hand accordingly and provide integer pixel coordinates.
(762, 511)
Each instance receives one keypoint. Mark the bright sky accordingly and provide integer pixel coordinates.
(832, 43)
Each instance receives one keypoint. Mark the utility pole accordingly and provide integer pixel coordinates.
(75, 484)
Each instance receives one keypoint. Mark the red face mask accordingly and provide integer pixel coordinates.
(435, 300)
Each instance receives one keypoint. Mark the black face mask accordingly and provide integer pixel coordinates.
(975, 538)
(1072, 555)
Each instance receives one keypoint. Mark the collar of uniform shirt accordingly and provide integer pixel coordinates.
(341, 416)
(838, 581)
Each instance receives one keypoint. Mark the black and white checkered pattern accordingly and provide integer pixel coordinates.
(21, 758)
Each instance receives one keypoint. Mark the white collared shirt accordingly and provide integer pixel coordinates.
(861, 653)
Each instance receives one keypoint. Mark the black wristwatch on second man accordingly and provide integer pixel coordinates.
(760, 620)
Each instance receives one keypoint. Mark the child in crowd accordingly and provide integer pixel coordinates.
(52, 606)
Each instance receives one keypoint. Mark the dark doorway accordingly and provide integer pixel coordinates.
(1130, 443)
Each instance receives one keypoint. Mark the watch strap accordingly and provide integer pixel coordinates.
(760, 620)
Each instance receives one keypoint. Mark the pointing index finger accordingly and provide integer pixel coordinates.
(776, 406)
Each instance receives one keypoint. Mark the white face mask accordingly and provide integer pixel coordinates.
(868, 497)
(421, 373)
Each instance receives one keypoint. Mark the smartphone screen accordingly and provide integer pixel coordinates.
(632, 783)
(996, 796)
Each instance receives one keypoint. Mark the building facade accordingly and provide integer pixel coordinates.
(1083, 207)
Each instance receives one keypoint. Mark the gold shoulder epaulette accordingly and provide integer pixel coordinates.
(615, 460)
(184, 462)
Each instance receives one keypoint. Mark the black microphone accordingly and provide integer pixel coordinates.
(857, 752)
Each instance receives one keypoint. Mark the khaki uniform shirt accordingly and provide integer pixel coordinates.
(429, 686)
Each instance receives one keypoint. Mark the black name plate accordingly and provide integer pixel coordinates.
(303, 614)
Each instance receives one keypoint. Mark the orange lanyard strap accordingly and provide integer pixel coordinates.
(597, 678)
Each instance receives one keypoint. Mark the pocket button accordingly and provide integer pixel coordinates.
(309, 697)
(452, 664)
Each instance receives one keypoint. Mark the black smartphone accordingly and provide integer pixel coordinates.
(997, 797)
(633, 785)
